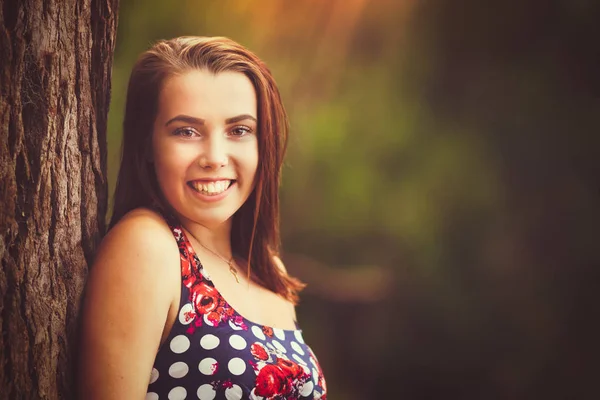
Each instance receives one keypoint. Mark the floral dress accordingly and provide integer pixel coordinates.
(212, 352)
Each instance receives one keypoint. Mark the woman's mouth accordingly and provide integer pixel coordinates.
(211, 188)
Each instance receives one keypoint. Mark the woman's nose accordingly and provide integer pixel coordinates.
(214, 153)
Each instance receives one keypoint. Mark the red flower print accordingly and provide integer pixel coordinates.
(259, 352)
(291, 368)
(271, 381)
(186, 267)
(204, 297)
(186, 271)
(267, 330)
(189, 315)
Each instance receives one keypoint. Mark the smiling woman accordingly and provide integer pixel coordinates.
(187, 297)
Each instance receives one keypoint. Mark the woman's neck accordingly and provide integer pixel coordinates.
(215, 238)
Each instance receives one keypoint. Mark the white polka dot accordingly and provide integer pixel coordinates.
(297, 348)
(315, 376)
(208, 366)
(179, 344)
(206, 392)
(305, 368)
(186, 314)
(151, 396)
(299, 337)
(209, 342)
(178, 369)
(299, 359)
(153, 375)
(279, 333)
(279, 346)
(177, 393)
(234, 326)
(307, 389)
(237, 342)
(258, 332)
(233, 393)
(312, 360)
(236, 366)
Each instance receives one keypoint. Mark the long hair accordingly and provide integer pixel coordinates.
(255, 226)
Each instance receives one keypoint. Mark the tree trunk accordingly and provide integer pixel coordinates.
(55, 63)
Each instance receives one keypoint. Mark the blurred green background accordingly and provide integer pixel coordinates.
(441, 189)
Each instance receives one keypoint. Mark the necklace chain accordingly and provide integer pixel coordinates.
(229, 262)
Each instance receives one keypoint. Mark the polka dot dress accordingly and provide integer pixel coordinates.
(212, 352)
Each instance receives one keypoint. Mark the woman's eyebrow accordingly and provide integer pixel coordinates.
(239, 118)
(199, 121)
(187, 119)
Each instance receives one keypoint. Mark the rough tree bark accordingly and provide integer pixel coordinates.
(55, 63)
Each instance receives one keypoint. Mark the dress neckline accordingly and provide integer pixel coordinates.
(197, 265)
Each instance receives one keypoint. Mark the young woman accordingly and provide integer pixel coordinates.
(187, 298)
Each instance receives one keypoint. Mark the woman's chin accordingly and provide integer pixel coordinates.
(211, 220)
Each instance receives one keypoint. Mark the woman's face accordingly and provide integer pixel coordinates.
(205, 144)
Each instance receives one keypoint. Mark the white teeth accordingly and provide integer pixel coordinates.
(211, 188)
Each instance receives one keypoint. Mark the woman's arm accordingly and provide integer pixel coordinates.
(134, 282)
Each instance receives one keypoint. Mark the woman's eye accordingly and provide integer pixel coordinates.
(241, 131)
(185, 132)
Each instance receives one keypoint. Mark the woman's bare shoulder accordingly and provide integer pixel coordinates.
(143, 216)
(142, 241)
(142, 226)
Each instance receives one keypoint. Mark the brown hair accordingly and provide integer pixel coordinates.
(255, 226)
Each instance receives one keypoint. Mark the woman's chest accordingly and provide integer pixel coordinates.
(254, 302)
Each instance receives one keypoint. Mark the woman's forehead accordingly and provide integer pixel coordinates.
(206, 94)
